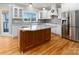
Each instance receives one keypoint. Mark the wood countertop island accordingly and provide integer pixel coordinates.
(33, 36)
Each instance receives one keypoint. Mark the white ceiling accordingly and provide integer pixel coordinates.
(44, 5)
(41, 5)
(35, 5)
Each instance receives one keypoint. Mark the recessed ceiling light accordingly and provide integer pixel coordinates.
(30, 4)
(43, 8)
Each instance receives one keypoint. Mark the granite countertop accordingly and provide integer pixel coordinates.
(35, 27)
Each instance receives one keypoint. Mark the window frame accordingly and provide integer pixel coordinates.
(30, 18)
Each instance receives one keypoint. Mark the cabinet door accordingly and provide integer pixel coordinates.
(15, 30)
(58, 29)
(44, 14)
(20, 12)
(49, 14)
(15, 12)
(53, 30)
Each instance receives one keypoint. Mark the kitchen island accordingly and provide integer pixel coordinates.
(33, 36)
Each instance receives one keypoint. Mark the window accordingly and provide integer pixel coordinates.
(30, 16)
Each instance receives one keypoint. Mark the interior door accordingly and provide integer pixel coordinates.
(5, 23)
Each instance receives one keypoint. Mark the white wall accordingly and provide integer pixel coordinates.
(70, 6)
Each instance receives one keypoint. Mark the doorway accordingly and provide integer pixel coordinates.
(5, 28)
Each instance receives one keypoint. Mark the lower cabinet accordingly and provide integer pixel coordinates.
(53, 30)
(56, 29)
(15, 30)
(30, 39)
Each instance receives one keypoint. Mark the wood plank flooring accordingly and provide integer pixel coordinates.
(57, 46)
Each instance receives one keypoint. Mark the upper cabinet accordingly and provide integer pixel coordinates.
(20, 12)
(17, 12)
(59, 13)
(45, 14)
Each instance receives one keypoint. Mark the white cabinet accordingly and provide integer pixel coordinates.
(15, 30)
(59, 13)
(17, 12)
(53, 28)
(56, 28)
(20, 12)
(45, 14)
(49, 14)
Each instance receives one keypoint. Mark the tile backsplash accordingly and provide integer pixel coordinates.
(22, 23)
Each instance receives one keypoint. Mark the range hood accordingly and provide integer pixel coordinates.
(54, 12)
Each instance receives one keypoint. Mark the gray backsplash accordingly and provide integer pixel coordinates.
(44, 20)
(55, 21)
(22, 23)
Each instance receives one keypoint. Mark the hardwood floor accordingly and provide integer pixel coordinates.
(57, 46)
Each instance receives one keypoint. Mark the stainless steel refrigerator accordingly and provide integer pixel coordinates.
(70, 27)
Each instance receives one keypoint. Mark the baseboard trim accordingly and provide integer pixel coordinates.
(56, 34)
